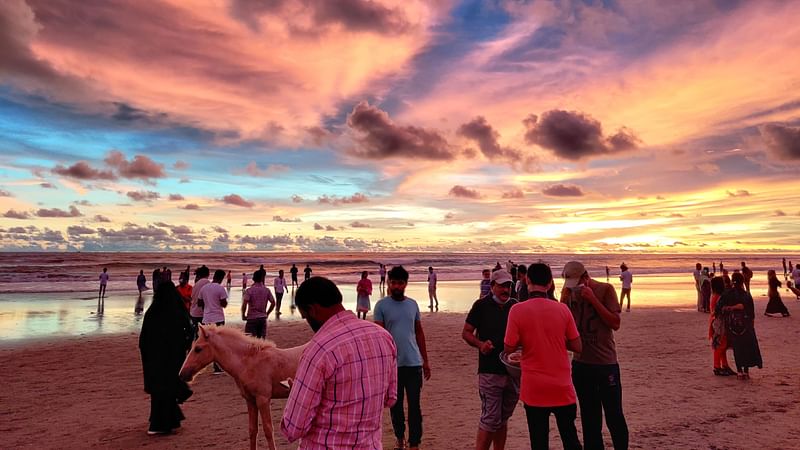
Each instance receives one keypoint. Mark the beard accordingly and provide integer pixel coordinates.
(315, 325)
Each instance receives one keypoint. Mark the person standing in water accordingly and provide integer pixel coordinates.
(102, 294)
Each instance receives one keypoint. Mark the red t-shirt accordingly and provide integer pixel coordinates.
(543, 326)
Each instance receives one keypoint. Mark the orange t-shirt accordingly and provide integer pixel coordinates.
(543, 326)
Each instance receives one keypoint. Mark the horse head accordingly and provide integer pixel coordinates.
(200, 355)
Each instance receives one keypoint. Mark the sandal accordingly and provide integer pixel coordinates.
(727, 371)
(400, 445)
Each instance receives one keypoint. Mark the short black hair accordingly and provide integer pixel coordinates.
(521, 269)
(718, 285)
(398, 273)
(317, 291)
(201, 272)
(540, 274)
(219, 274)
(258, 276)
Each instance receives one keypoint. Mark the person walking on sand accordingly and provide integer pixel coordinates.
(595, 370)
(485, 329)
(363, 291)
(698, 276)
(196, 308)
(717, 332)
(775, 304)
(307, 272)
(748, 275)
(608, 274)
(214, 299)
(705, 290)
(627, 281)
(785, 272)
(156, 279)
(546, 330)
(293, 271)
(796, 277)
(432, 288)
(737, 305)
(279, 283)
(244, 281)
(347, 375)
(228, 284)
(486, 283)
(521, 289)
(101, 295)
(400, 316)
(382, 273)
(165, 338)
(254, 307)
(141, 282)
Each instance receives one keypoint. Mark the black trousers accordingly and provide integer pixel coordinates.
(409, 383)
(539, 426)
(600, 391)
(165, 414)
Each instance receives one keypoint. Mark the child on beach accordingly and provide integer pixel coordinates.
(363, 290)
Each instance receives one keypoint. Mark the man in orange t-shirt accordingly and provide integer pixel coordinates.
(546, 330)
(185, 291)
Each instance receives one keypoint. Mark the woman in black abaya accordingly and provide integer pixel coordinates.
(165, 338)
(736, 305)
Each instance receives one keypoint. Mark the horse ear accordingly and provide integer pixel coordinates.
(203, 331)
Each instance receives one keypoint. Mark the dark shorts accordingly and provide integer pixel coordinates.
(499, 396)
(256, 327)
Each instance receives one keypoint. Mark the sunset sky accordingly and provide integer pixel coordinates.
(348, 125)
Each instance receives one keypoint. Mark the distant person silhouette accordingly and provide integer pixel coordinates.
(307, 271)
(293, 271)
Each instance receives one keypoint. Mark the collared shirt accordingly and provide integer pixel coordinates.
(346, 376)
(257, 297)
(195, 310)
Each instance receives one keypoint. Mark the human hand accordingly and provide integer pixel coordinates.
(426, 371)
(486, 347)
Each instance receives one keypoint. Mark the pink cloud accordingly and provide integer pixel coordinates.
(141, 167)
(236, 200)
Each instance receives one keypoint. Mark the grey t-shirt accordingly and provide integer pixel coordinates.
(597, 337)
(399, 318)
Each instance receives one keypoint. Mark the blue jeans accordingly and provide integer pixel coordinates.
(600, 391)
(409, 381)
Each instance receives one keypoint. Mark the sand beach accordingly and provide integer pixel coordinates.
(86, 391)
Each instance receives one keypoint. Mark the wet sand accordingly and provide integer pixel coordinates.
(86, 391)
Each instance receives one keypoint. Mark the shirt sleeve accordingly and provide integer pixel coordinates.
(391, 391)
(610, 300)
(378, 314)
(417, 316)
(306, 395)
(473, 315)
(512, 331)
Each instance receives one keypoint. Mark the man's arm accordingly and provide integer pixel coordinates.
(245, 300)
(271, 301)
(575, 345)
(420, 335)
(610, 318)
(304, 398)
(391, 391)
(468, 334)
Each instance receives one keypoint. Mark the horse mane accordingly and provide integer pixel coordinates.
(255, 344)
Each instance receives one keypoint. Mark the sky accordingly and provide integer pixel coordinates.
(350, 125)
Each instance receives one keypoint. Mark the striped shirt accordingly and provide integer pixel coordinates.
(347, 375)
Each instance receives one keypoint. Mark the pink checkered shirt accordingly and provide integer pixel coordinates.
(347, 375)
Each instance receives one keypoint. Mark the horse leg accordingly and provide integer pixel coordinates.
(252, 415)
(266, 421)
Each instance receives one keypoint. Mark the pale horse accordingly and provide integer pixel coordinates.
(258, 366)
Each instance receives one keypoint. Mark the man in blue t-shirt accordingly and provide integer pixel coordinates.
(400, 316)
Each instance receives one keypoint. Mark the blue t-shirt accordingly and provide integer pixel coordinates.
(400, 318)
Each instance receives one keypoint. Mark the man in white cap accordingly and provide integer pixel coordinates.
(595, 370)
(485, 329)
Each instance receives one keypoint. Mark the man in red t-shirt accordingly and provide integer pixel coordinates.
(546, 330)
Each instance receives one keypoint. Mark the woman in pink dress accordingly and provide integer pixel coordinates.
(364, 290)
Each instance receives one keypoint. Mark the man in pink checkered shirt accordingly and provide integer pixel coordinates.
(347, 375)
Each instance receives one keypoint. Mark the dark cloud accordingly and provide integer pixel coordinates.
(782, 140)
(219, 229)
(127, 113)
(180, 165)
(14, 214)
(190, 207)
(297, 199)
(573, 135)
(143, 196)
(336, 201)
(83, 203)
(78, 230)
(483, 134)
(175, 197)
(381, 138)
(318, 227)
(676, 215)
(330, 228)
(236, 200)
(251, 225)
(101, 218)
(464, 192)
(55, 212)
(358, 224)
(47, 185)
(141, 167)
(514, 193)
(285, 219)
(779, 213)
(563, 190)
(83, 171)
(253, 170)
(134, 233)
(739, 193)
(353, 15)
(5, 193)
(184, 180)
